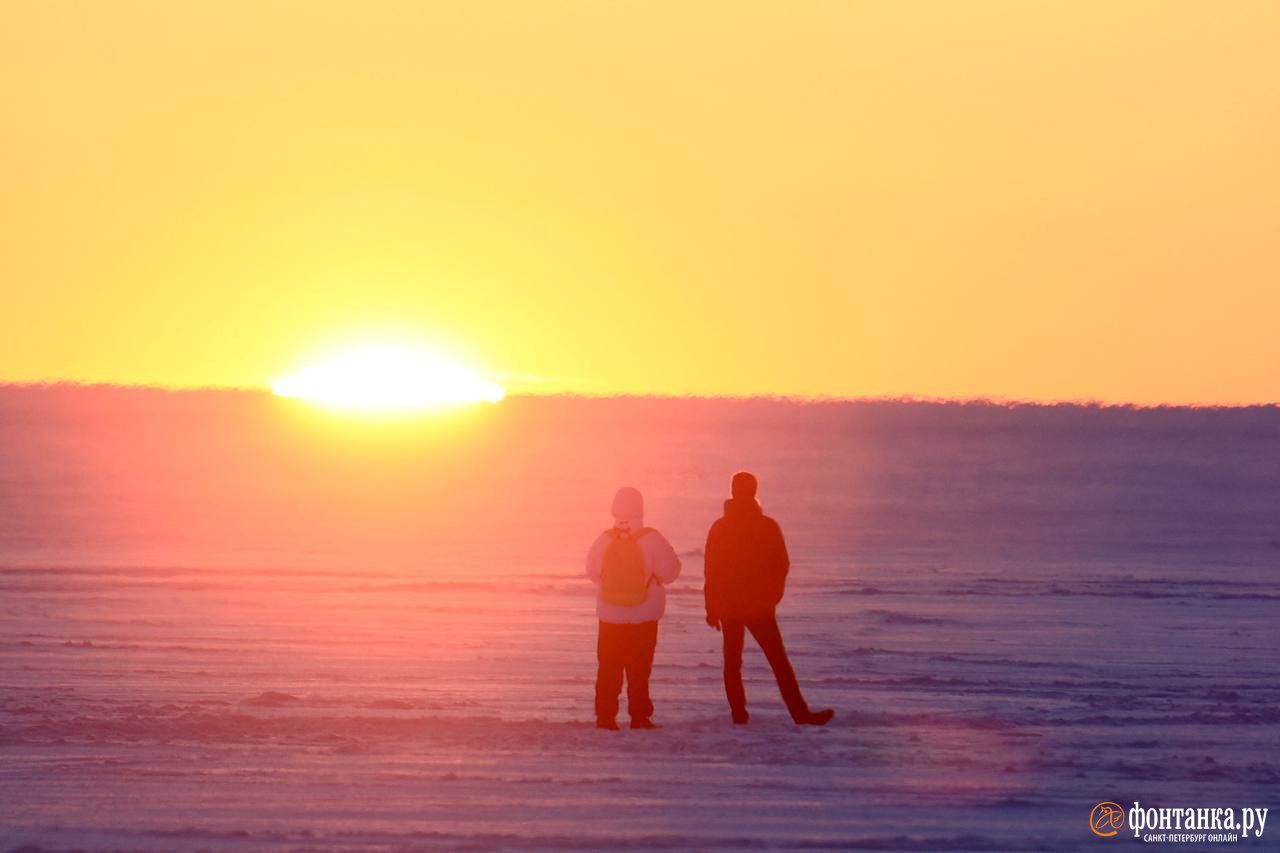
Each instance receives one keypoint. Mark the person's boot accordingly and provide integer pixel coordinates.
(740, 718)
(644, 723)
(611, 725)
(815, 718)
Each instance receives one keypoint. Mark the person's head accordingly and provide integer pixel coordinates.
(743, 486)
(628, 508)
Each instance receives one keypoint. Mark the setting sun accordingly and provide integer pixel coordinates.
(387, 379)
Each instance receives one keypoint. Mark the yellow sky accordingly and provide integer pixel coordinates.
(1023, 199)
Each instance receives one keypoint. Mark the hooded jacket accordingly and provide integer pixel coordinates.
(746, 563)
(659, 559)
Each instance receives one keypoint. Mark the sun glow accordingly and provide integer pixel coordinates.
(387, 379)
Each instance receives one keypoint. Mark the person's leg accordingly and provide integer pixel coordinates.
(640, 648)
(610, 650)
(733, 689)
(767, 633)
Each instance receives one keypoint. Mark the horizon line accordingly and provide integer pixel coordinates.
(812, 399)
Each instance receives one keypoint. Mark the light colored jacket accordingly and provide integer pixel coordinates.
(663, 567)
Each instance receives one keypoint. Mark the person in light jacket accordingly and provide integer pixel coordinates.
(630, 565)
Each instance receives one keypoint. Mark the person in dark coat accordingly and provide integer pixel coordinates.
(746, 573)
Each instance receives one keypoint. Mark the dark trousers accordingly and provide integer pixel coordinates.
(769, 636)
(625, 649)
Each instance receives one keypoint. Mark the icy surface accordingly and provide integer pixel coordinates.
(225, 627)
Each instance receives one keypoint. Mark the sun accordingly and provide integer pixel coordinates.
(387, 379)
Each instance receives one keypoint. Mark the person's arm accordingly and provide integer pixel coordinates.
(595, 557)
(711, 577)
(666, 564)
(781, 559)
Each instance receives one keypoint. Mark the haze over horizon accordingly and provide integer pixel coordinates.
(997, 199)
(527, 394)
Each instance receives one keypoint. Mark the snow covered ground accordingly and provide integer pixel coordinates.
(1017, 615)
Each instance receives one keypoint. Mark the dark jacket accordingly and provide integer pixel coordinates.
(746, 563)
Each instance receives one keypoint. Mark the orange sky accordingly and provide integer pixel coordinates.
(1027, 200)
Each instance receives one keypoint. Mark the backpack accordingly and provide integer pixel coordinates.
(624, 580)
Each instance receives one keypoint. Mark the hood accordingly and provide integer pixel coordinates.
(742, 507)
(628, 509)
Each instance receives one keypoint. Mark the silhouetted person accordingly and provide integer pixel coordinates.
(629, 563)
(746, 574)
